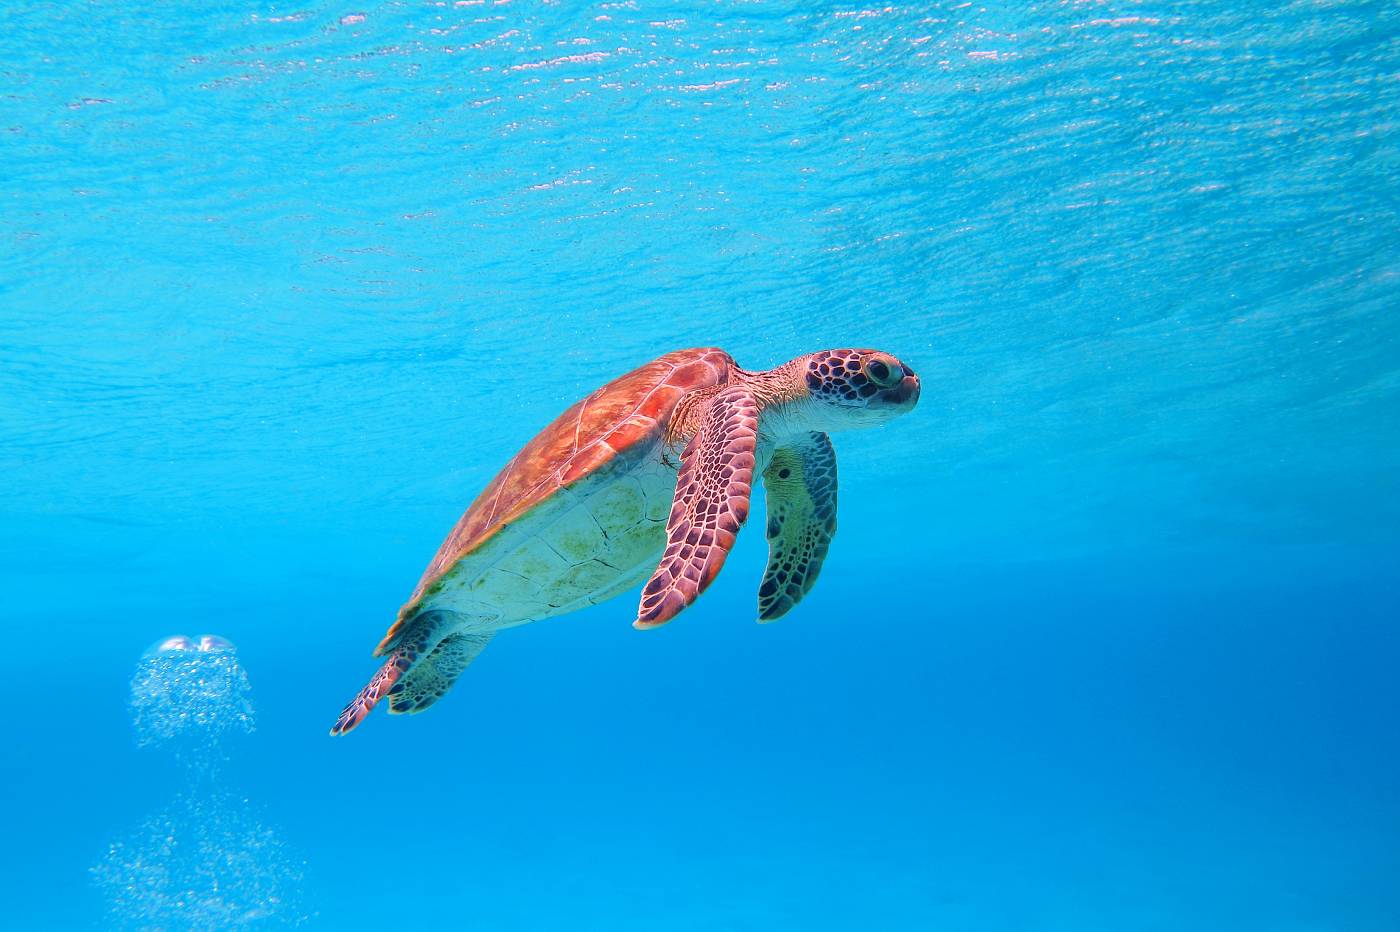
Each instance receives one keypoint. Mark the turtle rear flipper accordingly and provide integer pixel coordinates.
(430, 679)
(366, 699)
(417, 643)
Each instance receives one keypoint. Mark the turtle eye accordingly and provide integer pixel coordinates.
(880, 372)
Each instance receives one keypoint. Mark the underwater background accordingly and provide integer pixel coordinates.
(1107, 639)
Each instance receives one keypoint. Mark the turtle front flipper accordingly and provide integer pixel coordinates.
(801, 484)
(710, 505)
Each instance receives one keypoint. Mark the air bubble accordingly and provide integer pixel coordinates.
(204, 860)
(191, 692)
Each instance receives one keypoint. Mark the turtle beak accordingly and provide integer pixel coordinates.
(906, 393)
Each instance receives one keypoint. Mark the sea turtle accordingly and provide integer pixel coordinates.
(656, 465)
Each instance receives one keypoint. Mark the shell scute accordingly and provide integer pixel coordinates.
(575, 536)
(693, 375)
(540, 562)
(579, 582)
(620, 506)
(593, 457)
(659, 402)
(633, 544)
(629, 433)
(608, 405)
(515, 587)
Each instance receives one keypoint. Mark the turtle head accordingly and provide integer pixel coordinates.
(859, 387)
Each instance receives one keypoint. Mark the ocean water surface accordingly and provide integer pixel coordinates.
(1107, 640)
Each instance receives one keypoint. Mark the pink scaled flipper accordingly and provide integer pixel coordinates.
(711, 504)
(416, 644)
(367, 698)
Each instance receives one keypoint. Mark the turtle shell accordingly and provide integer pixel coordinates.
(630, 410)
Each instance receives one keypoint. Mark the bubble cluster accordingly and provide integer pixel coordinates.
(201, 862)
(190, 690)
(204, 860)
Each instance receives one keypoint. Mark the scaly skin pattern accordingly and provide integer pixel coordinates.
(711, 504)
(801, 485)
(419, 644)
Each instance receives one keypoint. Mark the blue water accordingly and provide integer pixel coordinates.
(1107, 640)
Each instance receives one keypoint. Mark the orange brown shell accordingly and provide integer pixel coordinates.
(629, 410)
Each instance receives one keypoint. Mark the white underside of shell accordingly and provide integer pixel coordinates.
(582, 546)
